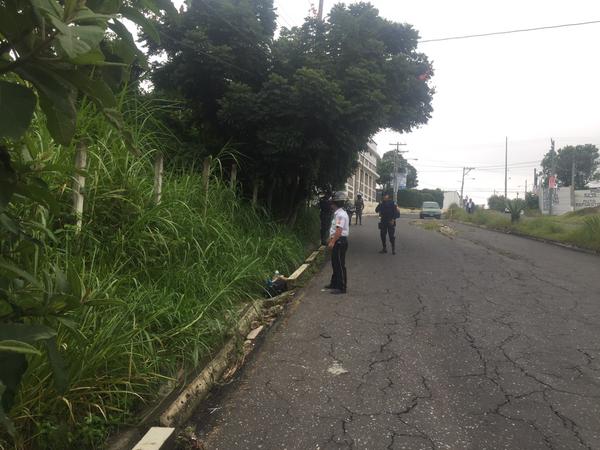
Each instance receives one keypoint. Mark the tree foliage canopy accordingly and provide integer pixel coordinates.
(586, 158)
(385, 169)
(299, 108)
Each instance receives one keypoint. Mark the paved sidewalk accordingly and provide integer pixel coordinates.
(485, 341)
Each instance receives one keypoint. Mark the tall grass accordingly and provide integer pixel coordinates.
(580, 228)
(164, 282)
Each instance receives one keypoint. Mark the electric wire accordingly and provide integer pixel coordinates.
(520, 30)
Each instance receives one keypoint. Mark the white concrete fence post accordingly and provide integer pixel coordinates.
(158, 177)
(79, 185)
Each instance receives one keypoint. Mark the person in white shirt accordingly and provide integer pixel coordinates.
(338, 244)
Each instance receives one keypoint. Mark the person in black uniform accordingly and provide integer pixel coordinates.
(359, 204)
(388, 213)
(325, 215)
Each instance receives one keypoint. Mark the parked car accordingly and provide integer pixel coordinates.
(430, 209)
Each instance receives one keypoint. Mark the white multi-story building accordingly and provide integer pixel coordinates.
(364, 179)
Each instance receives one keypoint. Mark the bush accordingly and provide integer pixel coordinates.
(515, 208)
(497, 203)
(588, 235)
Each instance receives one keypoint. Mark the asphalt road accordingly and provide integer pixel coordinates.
(484, 341)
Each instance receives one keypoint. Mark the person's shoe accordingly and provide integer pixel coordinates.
(327, 288)
(383, 250)
(338, 291)
(393, 252)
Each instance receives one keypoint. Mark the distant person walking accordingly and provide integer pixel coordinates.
(350, 210)
(325, 216)
(470, 206)
(338, 244)
(388, 213)
(359, 205)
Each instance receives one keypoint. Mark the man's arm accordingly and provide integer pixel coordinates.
(335, 237)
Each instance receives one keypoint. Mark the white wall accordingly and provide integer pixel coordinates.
(589, 198)
(450, 197)
(561, 204)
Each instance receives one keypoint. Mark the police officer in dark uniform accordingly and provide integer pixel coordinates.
(325, 215)
(388, 213)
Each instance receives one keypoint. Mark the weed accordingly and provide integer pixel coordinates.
(163, 283)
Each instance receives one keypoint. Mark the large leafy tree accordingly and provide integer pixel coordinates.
(586, 159)
(299, 108)
(211, 47)
(385, 169)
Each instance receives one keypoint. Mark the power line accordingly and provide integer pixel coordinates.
(521, 30)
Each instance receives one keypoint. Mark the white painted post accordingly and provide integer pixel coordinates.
(79, 185)
(206, 181)
(158, 177)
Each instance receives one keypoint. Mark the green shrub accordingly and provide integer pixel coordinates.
(588, 235)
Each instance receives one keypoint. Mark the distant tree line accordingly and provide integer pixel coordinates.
(414, 198)
(580, 162)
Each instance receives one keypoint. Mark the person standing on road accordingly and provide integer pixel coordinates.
(338, 244)
(388, 213)
(325, 216)
(359, 205)
(471, 206)
(350, 209)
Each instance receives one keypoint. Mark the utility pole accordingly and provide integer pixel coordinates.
(552, 172)
(320, 12)
(397, 152)
(506, 169)
(573, 183)
(525, 197)
(466, 171)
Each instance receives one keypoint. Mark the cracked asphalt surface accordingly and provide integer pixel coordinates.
(484, 341)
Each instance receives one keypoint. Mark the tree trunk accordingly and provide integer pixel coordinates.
(233, 179)
(270, 193)
(293, 202)
(255, 192)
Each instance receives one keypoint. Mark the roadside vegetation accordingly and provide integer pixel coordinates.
(158, 286)
(580, 228)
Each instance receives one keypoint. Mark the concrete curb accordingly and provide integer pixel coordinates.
(181, 409)
(527, 236)
(156, 438)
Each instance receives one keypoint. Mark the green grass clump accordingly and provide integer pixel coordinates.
(580, 228)
(588, 235)
(164, 283)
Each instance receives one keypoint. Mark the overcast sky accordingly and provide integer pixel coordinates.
(527, 86)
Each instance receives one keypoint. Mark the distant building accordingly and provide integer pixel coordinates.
(364, 179)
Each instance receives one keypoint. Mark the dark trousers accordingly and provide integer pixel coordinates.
(358, 217)
(338, 263)
(325, 225)
(389, 229)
